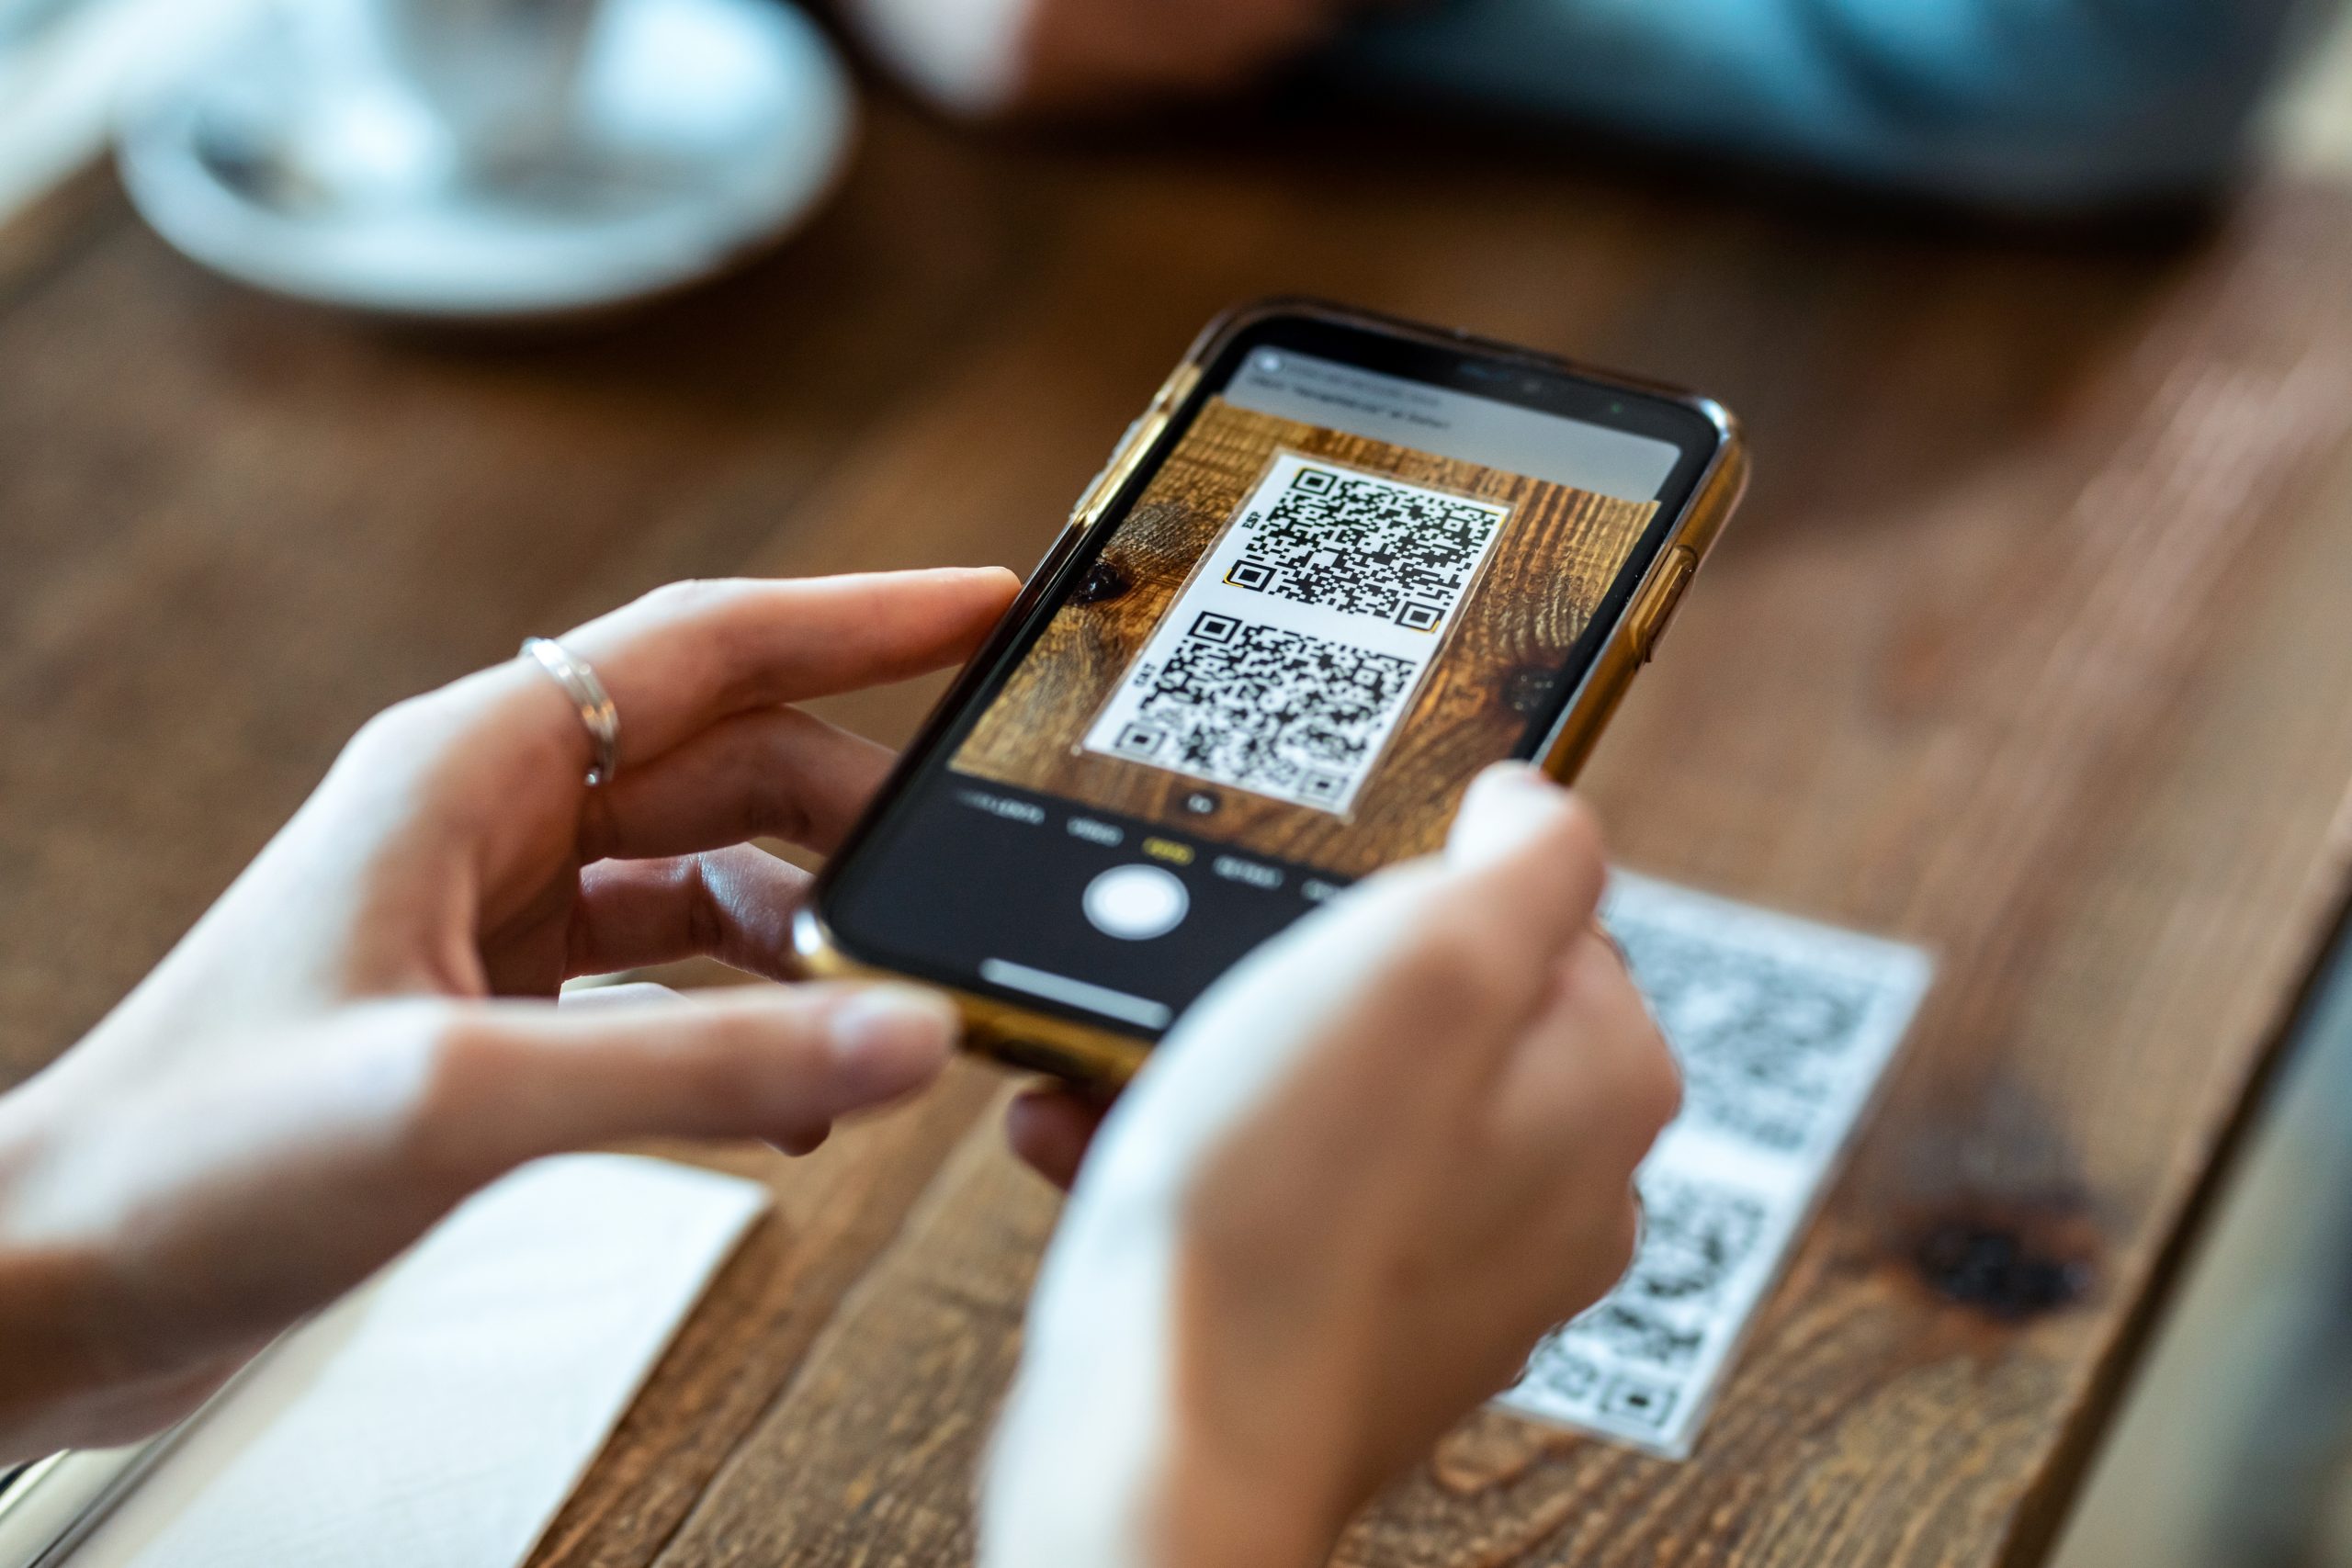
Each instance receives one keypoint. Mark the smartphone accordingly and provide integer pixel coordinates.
(1339, 565)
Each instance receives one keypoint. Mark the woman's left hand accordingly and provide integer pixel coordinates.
(361, 1032)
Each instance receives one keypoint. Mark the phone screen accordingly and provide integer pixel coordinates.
(1362, 568)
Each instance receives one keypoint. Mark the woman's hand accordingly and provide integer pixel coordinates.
(361, 1031)
(993, 57)
(1339, 1208)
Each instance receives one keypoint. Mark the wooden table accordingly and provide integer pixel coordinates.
(2030, 646)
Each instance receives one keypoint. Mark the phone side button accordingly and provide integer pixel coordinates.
(1658, 606)
(1094, 490)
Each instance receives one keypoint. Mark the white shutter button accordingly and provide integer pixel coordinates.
(1134, 903)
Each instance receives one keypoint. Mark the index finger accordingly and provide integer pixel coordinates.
(685, 657)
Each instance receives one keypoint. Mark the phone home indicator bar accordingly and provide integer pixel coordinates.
(1140, 1011)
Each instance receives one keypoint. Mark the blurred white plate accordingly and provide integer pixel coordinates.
(705, 130)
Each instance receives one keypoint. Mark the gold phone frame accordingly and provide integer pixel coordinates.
(1040, 1042)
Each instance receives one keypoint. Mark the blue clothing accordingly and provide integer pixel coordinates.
(2021, 102)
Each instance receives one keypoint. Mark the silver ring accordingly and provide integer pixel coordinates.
(597, 715)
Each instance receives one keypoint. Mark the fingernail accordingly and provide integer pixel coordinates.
(1506, 805)
(892, 1038)
(1506, 777)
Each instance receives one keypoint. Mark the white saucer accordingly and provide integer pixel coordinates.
(706, 130)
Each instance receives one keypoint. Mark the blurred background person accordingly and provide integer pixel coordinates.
(2046, 104)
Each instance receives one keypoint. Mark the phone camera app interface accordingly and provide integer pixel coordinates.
(1340, 595)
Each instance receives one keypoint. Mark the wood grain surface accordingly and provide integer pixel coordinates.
(1504, 654)
(2030, 646)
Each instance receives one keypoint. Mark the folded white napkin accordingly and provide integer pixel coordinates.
(441, 1413)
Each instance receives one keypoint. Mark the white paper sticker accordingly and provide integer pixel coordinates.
(1783, 1028)
(1291, 655)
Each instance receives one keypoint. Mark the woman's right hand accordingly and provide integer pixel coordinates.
(1347, 1196)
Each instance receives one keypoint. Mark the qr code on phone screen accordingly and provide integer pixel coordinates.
(1365, 546)
(1262, 709)
(1289, 658)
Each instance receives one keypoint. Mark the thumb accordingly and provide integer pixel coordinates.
(1509, 809)
(516, 1081)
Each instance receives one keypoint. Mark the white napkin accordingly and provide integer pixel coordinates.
(441, 1413)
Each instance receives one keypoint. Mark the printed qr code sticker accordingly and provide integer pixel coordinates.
(1784, 1029)
(1298, 646)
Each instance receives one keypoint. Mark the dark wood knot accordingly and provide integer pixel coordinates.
(1104, 580)
(1527, 689)
(1997, 1270)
